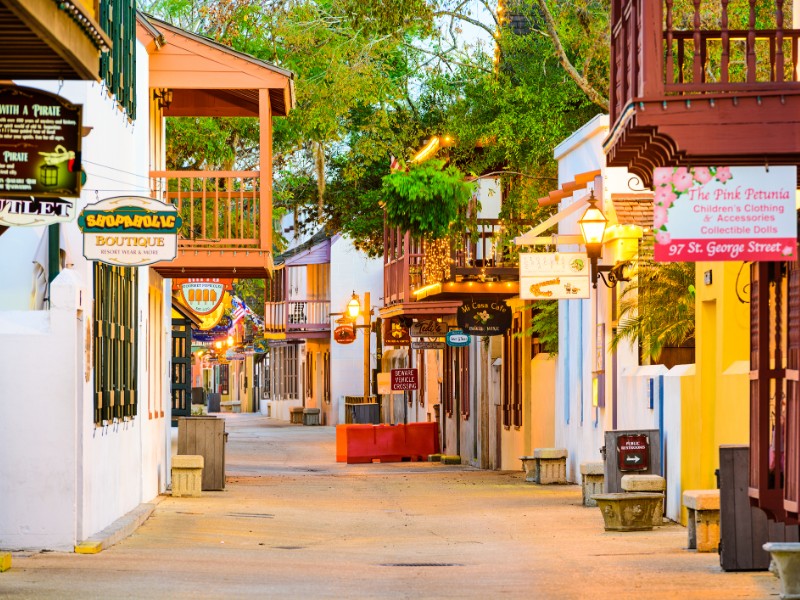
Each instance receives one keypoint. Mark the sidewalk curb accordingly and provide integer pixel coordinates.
(118, 530)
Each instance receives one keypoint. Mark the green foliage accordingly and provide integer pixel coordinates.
(657, 309)
(426, 199)
(544, 325)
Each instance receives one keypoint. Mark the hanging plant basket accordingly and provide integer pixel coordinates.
(426, 199)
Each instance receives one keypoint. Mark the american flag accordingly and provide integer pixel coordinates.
(239, 310)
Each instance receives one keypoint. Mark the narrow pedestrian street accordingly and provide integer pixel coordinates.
(293, 523)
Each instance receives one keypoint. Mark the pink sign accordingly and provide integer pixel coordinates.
(725, 213)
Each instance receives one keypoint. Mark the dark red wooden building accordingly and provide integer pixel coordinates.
(715, 82)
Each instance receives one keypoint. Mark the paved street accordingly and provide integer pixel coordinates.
(293, 523)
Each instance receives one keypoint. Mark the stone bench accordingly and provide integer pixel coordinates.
(187, 475)
(231, 406)
(311, 416)
(703, 525)
(592, 479)
(546, 466)
(654, 484)
(296, 415)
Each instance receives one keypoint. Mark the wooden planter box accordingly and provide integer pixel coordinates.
(206, 437)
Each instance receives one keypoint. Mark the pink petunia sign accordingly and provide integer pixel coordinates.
(724, 213)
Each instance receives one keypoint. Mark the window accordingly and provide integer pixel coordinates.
(224, 376)
(456, 380)
(118, 67)
(512, 374)
(326, 377)
(115, 350)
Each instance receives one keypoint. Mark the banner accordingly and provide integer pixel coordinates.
(554, 275)
(725, 213)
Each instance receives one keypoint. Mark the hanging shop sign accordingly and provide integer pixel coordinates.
(40, 144)
(344, 334)
(203, 296)
(405, 380)
(457, 338)
(217, 332)
(35, 212)
(260, 346)
(428, 329)
(553, 275)
(395, 333)
(233, 355)
(725, 213)
(484, 317)
(427, 345)
(130, 231)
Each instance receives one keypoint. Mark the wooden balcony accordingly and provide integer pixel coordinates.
(477, 265)
(225, 230)
(298, 319)
(703, 86)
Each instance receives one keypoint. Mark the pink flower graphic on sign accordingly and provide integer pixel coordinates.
(671, 184)
(787, 251)
(664, 196)
(702, 175)
(723, 174)
(659, 216)
(663, 237)
(662, 176)
(682, 180)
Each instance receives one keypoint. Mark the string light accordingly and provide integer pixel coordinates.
(437, 261)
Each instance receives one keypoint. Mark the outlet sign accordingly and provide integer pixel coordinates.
(633, 452)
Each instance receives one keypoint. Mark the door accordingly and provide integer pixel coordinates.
(181, 379)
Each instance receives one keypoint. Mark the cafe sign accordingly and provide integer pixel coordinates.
(40, 144)
(35, 212)
(130, 231)
(725, 214)
(484, 317)
(553, 275)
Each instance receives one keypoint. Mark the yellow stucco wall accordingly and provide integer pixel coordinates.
(715, 402)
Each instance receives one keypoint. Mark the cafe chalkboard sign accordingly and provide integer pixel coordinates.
(40, 144)
(484, 317)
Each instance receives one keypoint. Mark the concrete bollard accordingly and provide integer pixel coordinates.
(550, 465)
(703, 524)
(187, 475)
(592, 479)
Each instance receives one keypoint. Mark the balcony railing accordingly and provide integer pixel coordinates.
(478, 256)
(710, 47)
(297, 316)
(220, 209)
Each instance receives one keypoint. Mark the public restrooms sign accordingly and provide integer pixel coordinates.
(40, 144)
(725, 213)
(130, 231)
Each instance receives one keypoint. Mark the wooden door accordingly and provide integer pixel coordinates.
(181, 376)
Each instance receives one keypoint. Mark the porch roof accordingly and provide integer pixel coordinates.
(438, 308)
(207, 78)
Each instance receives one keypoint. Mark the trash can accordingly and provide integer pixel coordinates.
(206, 437)
(213, 402)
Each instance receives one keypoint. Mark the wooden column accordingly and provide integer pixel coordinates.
(265, 166)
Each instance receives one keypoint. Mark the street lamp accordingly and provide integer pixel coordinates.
(353, 310)
(593, 225)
